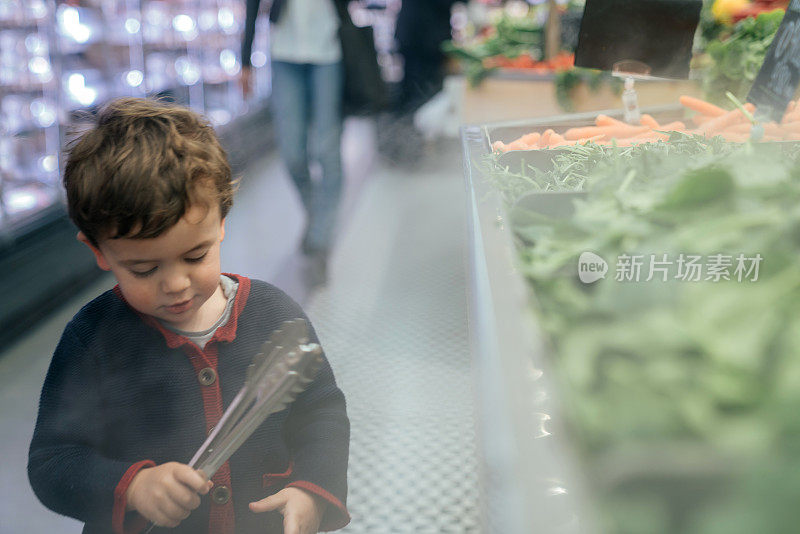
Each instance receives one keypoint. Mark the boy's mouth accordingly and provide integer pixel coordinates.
(179, 307)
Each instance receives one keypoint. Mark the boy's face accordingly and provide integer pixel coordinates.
(175, 276)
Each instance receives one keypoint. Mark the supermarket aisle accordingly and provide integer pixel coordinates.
(392, 319)
(394, 326)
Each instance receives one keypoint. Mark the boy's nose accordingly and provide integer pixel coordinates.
(175, 283)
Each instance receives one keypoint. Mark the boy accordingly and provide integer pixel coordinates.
(144, 372)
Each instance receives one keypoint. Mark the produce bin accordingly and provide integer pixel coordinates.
(533, 477)
(528, 478)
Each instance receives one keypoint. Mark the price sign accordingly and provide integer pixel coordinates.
(654, 34)
(779, 75)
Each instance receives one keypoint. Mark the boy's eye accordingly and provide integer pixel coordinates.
(142, 274)
(197, 259)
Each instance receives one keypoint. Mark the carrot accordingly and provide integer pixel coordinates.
(531, 138)
(742, 128)
(649, 121)
(717, 124)
(586, 131)
(675, 126)
(650, 136)
(610, 132)
(773, 129)
(791, 127)
(712, 120)
(794, 116)
(544, 140)
(555, 139)
(517, 145)
(622, 132)
(699, 120)
(595, 139)
(701, 106)
(605, 120)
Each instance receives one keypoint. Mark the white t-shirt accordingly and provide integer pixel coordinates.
(229, 288)
(307, 32)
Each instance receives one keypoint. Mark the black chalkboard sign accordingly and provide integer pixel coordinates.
(655, 35)
(779, 75)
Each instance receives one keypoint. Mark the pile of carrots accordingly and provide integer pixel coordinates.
(709, 121)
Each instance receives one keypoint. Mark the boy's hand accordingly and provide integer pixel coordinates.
(301, 510)
(167, 494)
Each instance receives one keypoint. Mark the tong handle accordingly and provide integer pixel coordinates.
(232, 441)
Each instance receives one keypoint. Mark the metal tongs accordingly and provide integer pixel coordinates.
(281, 370)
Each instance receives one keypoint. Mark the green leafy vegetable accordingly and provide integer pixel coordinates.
(700, 378)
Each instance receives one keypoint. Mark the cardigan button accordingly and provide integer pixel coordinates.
(221, 495)
(207, 376)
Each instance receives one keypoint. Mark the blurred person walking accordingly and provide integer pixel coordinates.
(421, 28)
(307, 90)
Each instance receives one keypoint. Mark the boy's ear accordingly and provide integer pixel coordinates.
(222, 230)
(98, 256)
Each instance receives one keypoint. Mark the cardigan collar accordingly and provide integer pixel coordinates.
(226, 332)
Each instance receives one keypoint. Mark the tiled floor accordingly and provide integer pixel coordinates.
(395, 328)
(392, 319)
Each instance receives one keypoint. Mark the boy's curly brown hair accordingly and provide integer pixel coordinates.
(138, 170)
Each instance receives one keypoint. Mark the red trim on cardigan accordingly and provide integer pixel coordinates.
(221, 518)
(337, 521)
(121, 502)
(226, 332)
(270, 479)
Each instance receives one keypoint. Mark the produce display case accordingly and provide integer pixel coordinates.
(533, 477)
(29, 129)
(60, 61)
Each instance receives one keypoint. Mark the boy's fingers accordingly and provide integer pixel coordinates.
(164, 519)
(273, 502)
(190, 477)
(183, 496)
(173, 511)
